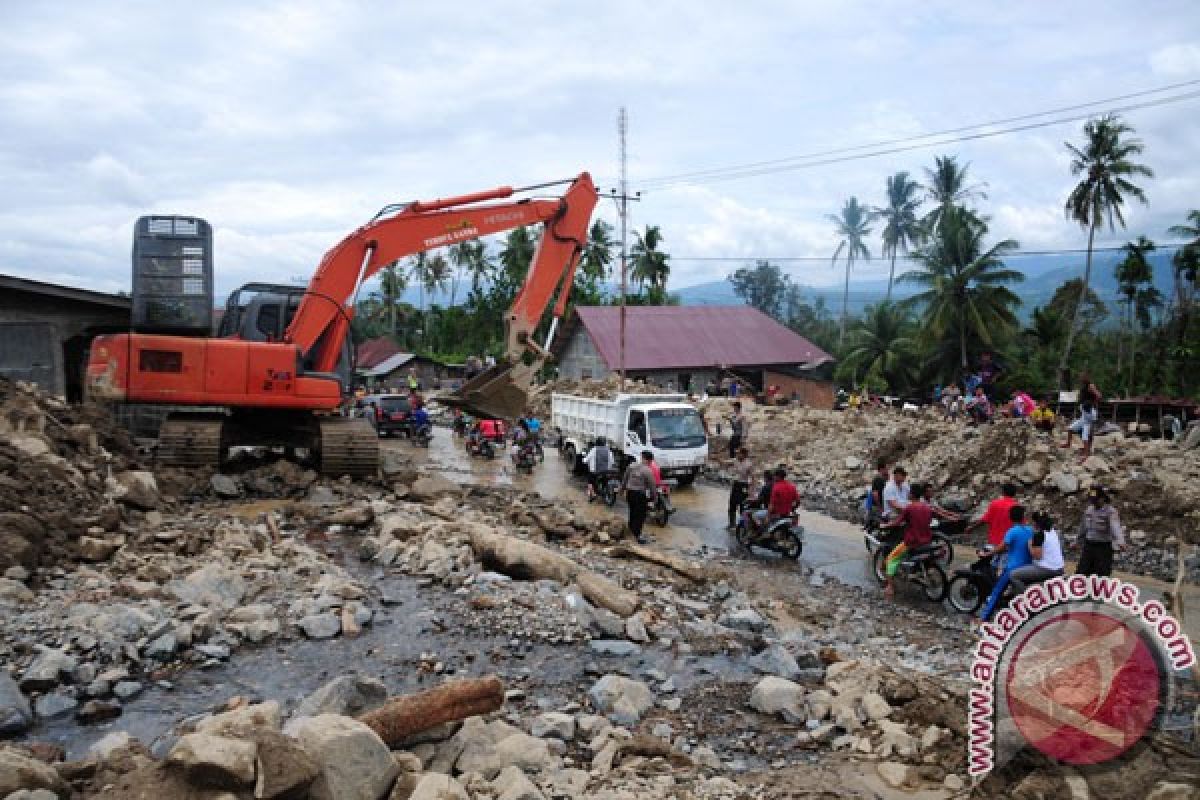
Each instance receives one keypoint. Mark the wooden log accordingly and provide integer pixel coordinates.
(407, 715)
(524, 560)
(688, 570)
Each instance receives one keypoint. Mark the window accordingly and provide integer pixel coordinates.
(676, 428)
(160, 361)
(637, 425)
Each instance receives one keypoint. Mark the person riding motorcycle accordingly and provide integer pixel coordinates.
(418, 419)
(600, 463)
(915, 520)
(782, 499)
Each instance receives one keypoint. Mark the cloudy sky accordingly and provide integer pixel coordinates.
(287, 125)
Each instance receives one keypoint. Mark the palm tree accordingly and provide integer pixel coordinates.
(852, 226)
(465, 256)
(392, 284)
(966, 294)
(881, 344)
(1132, 273)
(650, 267)
(946, 186)
(1106, 165)
(1187, 266)
(901, 229)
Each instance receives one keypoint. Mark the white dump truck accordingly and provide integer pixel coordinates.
(664, 424)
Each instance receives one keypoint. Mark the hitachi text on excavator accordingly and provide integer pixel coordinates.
(280, 367)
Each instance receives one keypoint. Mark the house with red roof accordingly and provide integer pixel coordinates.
(694, 346)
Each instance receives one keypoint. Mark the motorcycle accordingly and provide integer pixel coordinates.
(480, 446)
(662, 508)
(970, 587)
(459, 426)
(919, 567)
(525, 458)
(422, 435)
(610, 487)
(942, 531)
(785, 535)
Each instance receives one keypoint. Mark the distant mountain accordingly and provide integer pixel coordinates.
(1043, 275)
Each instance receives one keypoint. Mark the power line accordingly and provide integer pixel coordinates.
(905, 144)
(909, 257)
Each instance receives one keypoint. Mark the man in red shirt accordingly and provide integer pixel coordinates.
(918, 532)
(996, 515)
(784, 497)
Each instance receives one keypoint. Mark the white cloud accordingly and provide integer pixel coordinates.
(1177, 60)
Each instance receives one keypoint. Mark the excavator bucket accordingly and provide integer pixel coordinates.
(497, 392)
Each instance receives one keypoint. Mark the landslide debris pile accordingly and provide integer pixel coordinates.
(65, 473)
(832, 454)
(607, 389)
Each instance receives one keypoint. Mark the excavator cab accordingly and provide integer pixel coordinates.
(262, 312)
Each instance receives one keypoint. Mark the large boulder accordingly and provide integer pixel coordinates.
(213, 585)
(354, 762)
(19, 771)
(513, 784)
(517, 749)
(243, 721)
(15, 714)
(216, 761)
(138, 489)
(434, 786)
(47, 670)
(622, 699)
(14, 594)
(283, 769)
(349, 695)
(428, 488)
(774, 695)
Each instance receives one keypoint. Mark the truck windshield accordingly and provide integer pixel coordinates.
(676, 428)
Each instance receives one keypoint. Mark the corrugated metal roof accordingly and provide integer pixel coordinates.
(374, 351)
(389, 364)
(696, 337)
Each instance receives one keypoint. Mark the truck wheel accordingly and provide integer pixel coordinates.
(688, 479)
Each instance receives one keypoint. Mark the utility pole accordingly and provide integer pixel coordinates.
(622, 197)
(623, 211)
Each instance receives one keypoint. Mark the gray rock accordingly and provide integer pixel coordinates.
(1064, 482)
(108, 744)
(894, 774)
(349, 695)
(243, 722)
(559, 726)
(354, 762)
(635, 629)
(217, 651)
(125, 690)
(15, 714)
(875, 706)
(95, 548)
(47, 670)
(513, 784)
(163, 647)
(622, 699)
(17, 573)
(614, 647)
(55, 704)
(32, 794)
(853, 462)
(320, 626)
(216, 761)
(433, 786)
(1163, 790)
(607, 623)
(225, 486)
(138, 489)
(776, 660)
(774, 695)
(428, 488)
(214, 586)
(14, 594)
(744, 619)
(517, 749)
(18, 771)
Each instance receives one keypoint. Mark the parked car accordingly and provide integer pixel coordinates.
(391, 416)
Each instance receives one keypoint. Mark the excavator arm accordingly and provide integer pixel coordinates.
(322, 321)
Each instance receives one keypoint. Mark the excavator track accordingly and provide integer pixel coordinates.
(348, 447)
(191, 440)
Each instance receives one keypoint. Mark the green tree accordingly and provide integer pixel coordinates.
(1133, 273)
(1186, 268)
(965, 294)
(468, 257)
(595, 265)
(853, 226)
(1066, 299)
(515, 257)
(946, 186)
(901, 228)
(763, 287)
(392, 283)
(1105, 162)
(881, 344)
(650, 264)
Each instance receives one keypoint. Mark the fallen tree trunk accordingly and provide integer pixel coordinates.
(525, 560)
(678, 565)
(405, 716)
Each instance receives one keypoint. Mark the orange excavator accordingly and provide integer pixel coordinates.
(268, 381)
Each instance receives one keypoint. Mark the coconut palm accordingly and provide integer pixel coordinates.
(466, 257)
(853, 226)
(392, 283)
(965, 285)
(880, 344)
(901, 228)
(650, 264)
(1105, 162)
(946, 186)
(1132, 273)
(597, 255)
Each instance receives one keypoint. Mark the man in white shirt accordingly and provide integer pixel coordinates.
(1046, 549)
(895, 494)
(599, 461)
